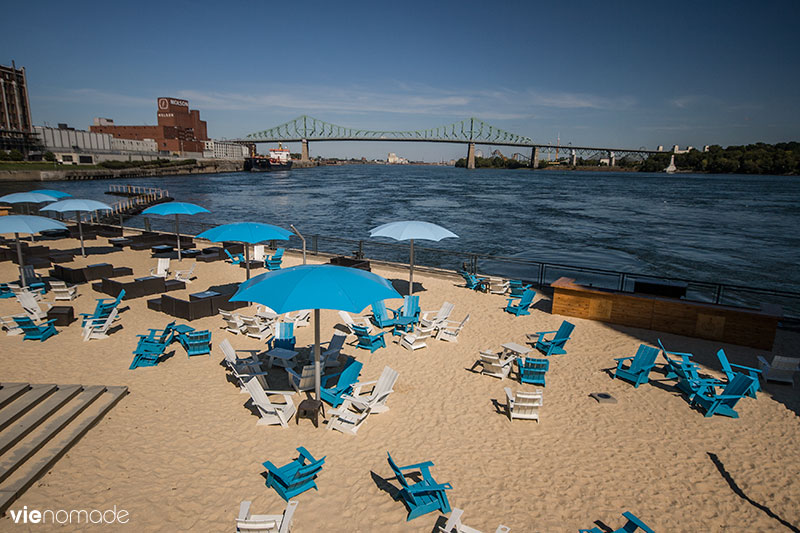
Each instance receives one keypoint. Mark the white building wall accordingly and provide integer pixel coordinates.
(56, 139)
(131, 145)
(224, 150)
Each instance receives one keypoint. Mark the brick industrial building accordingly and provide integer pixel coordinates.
(179, 128)
(16, 129)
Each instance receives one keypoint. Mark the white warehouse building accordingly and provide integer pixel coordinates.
(224, 150)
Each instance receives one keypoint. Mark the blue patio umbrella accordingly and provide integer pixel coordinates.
(175, 208)
(79, 206)
(32, 197)
(408, 230)
(316, 287)
(246, 232)
(58, 195)
(17, 224)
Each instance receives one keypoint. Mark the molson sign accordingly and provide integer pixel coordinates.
(166, 103)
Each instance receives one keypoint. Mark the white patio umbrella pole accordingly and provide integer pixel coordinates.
(411, 270)
(80, 232)
(178, 235)
(19, 260)
(316, 353)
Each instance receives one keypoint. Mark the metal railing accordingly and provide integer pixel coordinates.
(541, 274)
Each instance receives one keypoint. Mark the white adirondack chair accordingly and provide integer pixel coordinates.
(266, 314)
(60, 291)
(8, 324)
(242, 369)
(162, 268)
(265, 523)
(780, 369)
(523, 405)
(97, 328)
(416, 339)
(303, 381)
(454, 524)
(330, 357)
(449, 330)
(346, 421)
(271, 413)
(349, 322)
(494, 366)
(429, 320)
(253, 327)
(498, 285)
(233, 322)
(376, 399)
(17, 290)
(302, 318)
(185, 275)
(259, 253)
(31, 306)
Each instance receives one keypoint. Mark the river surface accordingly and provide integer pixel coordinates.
(733, 229)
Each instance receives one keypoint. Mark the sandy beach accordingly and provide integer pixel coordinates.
(181, 450)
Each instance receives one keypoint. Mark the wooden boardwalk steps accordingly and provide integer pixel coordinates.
(39, 423)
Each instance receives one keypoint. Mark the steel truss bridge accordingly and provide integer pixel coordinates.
(470, 131)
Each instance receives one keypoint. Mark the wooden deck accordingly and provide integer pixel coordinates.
(747, 327)
(39, 423)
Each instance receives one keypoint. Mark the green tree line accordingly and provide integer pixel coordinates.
(759, 158)
(492, 162)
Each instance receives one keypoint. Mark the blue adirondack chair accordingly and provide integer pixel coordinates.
(196, 342)
(522, 304)
(685, 371)
(152, 346)
(103, 308)
(516, 288)
(235, 259)
(634, 523)
(370, 342)
(474, 282)
(727, 367)
(424, 496)
(284, 336)
(5, 291)
(640, 365)
(555, 345)
(380, 317)
(532, 370)
(723, 404)
(295, 477)
(33, 332)
(274, 262)
(344, 385)
(408, 314)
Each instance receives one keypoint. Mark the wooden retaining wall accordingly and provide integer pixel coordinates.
(746, 327)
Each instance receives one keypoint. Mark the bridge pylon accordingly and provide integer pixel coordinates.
(471, 156)
(535, 157)
(304, 154)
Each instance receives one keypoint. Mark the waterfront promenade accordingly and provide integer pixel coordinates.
(181, 450)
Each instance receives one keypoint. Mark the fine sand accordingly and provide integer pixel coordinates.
(181, 450)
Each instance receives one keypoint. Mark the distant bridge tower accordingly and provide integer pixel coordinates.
(535, 157)
(304, 155)
(612, 159)
(471, 146)
(574, 157)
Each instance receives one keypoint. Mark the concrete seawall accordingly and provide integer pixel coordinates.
(213, 166)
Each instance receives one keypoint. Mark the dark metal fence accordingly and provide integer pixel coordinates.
(538, 273)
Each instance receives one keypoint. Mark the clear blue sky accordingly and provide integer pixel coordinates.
(625, 74)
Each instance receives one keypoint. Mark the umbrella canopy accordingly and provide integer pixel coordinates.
(408, 230)
(247, 232)
(17, 224)
(27, 197)
(58, 195)
(28, 224)
(175, 208)
(79, 206)
(316, 287)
